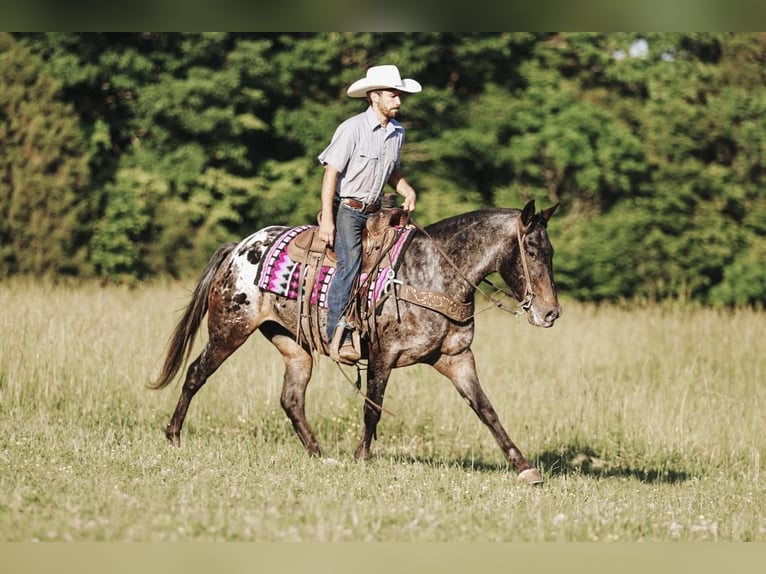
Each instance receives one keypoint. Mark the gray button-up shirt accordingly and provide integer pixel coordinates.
(365, 154)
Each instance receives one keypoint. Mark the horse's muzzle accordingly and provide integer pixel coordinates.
(543, 317)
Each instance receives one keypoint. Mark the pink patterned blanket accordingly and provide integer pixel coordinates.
(281, 275)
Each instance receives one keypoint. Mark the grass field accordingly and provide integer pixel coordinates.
(648, 424)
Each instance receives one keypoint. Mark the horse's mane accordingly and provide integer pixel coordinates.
(460, 223)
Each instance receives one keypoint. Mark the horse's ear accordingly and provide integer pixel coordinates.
(528, 214)
(548, 213)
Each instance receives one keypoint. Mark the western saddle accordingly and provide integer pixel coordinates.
(381, 233)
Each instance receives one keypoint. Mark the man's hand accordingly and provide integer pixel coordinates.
(409, 203)
(403, 188)
(327, 230)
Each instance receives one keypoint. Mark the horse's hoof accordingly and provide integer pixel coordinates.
(173, 439)
(530, 476)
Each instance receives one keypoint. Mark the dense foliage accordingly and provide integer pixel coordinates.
(127, 156)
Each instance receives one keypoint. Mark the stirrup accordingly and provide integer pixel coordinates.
(350, 354)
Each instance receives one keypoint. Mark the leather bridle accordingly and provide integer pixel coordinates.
(529, 292)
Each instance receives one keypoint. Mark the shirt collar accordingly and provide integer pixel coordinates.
(373, 123)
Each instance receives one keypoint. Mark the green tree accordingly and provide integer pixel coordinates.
(684, 214)
(44, 206)
(653, 144)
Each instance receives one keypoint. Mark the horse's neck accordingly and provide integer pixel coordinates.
(458, 256)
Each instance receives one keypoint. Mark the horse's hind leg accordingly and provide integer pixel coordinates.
(461, 370)
(215, 352)
(298, 367)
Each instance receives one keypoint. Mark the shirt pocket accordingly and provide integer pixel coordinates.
(369, 155)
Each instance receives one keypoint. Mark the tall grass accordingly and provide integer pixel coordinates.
(647, 422)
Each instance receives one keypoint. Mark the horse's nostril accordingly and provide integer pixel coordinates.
(553, 314)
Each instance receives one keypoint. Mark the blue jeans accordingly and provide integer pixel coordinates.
(348, 250)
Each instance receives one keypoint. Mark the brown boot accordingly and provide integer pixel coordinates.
(348, 353)
(342, 349)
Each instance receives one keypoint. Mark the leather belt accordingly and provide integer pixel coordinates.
(360, 206)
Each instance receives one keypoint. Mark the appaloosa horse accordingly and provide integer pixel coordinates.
(447, 259)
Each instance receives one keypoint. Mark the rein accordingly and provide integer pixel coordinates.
(357, 387)
(529, 293)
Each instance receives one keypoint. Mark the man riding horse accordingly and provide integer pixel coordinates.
(362, 157)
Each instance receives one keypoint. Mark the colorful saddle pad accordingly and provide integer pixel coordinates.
(282, 275)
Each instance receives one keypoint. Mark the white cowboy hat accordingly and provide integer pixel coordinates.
(380, 78)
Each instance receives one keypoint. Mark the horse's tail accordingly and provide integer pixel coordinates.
(181, 341)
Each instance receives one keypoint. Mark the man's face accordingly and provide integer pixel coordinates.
(387, 102)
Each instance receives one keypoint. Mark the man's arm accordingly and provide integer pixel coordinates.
(403, 188)
(326, 220)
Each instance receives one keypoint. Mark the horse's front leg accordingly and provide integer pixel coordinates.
(378, 372)
(461, 370)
